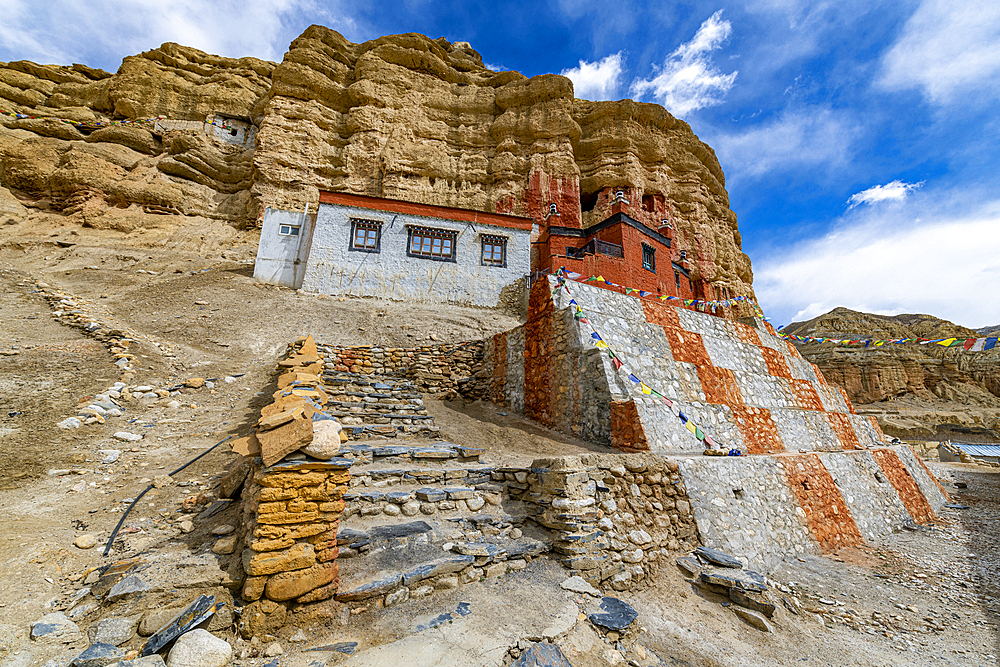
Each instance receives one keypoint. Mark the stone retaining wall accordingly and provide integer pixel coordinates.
(765, 508)
(432, 368)
(740, 382)
(615, 519)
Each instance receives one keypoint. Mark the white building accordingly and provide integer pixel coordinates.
(367, 246)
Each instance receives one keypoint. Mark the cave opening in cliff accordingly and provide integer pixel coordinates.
(588, 201)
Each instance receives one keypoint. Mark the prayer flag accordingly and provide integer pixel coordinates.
(645, 388)
(990, 343)
(969, 342)
(978, 345)
(698, 433)
(634, 378)
(691, 427)
(946, 342)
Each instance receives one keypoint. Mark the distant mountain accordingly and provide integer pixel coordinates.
(914, 390)
(847, 323)
(989, 331)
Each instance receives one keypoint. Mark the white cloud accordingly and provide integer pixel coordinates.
(689, 80)
(947, 49)
(894, 191)
(597, 80)
(64, 31)
(884, 261)
(810, 137)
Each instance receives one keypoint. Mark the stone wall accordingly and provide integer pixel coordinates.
(741, 383)
(615, 519)
(764, 508)
(433, 368)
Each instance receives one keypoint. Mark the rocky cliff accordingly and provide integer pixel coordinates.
(403, 117)
(924, 385)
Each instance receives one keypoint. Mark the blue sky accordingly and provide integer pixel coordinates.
(859, 138)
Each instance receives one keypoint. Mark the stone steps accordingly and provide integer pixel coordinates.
(407, 452)
(393, 562)
(377, 407)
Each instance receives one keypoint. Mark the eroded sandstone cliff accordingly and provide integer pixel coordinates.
(403, 117)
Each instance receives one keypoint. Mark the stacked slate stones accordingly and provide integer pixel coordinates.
(718, 573)
(293, 494)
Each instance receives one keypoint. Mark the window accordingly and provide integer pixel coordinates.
(289, 230)
(366, 235)
(648, 258)
(677, 282)
(430, 243)
(494, 250)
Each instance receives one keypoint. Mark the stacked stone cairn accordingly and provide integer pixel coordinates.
(292, 497)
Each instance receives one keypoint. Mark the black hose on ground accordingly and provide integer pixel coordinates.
(114, 533)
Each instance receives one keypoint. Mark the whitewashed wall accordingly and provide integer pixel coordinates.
(281, 260)
(334, 269)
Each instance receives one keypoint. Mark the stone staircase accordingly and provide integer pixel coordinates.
(421, 517)
(382, 406)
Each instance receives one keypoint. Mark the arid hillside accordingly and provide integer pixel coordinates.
(919, 391)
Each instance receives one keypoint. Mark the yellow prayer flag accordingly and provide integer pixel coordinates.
(645, 389)
(690, 426)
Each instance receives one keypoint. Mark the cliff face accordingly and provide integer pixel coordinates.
(403, 117)
(112, 176)
(922, 383)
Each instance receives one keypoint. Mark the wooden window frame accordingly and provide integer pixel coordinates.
(651, 251)
(432, 233)
(493, 240)
(367, 225)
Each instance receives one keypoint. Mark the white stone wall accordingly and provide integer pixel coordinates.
(390, 274)
(281, 260)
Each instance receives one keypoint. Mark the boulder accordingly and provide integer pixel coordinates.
(199, 648)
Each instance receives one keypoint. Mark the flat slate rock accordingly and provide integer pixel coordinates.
(618, 615)
(542, 655)
(753, 618)
(748, 580)
(370, 589)
(98, 655)
(956, 506)
(190, 617)
(578, 584)
(526, 547)
(690, 565)
(755, 601)
(439, 566)
(349, 535)
(130, 585)
(479, 549)
(430, 495)
(397, 530)
(720, 558)
(340, 647)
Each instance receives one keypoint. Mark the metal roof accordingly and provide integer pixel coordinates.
(979, 450)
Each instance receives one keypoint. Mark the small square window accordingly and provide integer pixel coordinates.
(648, 258)
(494, 251)
(430, 243)
(289, 230)
(366, 235)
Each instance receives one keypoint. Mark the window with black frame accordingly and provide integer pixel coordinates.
(648, 258)
(494, 250)
(366, 235)
(429, 243)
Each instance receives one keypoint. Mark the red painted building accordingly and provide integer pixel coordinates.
(633, 246)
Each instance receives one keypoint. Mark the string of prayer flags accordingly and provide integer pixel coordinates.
(700, 304)
(621, 367)
(967, 344)
(76, 123)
